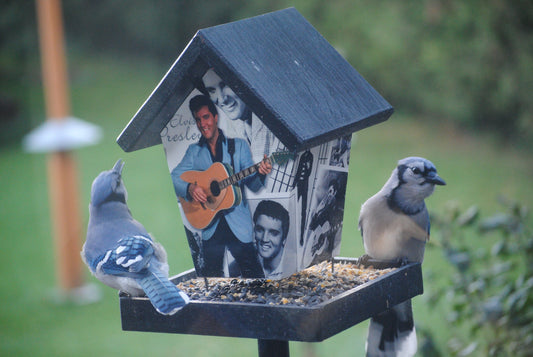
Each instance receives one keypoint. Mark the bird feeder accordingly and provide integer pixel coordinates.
(299, 98)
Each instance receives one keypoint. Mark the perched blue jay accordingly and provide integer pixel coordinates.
(394, 224)
(120, 252)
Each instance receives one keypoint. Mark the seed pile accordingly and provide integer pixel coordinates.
(309, 287)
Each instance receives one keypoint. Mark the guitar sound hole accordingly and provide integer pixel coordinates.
(215, 189)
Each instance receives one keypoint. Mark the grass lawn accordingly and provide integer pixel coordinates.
(108, 93)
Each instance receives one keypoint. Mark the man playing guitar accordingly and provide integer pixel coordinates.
(230, 228)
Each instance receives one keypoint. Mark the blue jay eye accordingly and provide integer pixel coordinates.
(416, 170)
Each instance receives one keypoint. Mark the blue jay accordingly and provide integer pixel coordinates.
(394, 224)
(120, 252)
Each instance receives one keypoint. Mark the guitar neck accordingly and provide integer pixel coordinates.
(278, 157)
(241, 175)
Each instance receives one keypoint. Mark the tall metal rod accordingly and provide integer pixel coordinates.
(273, 348)
(62, 173)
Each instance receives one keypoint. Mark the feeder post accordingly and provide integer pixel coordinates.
(62, 175)
(273, 348)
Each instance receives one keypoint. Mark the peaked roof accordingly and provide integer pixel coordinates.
(302, 89)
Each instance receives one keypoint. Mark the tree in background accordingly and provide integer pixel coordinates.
(463, 61)
(490, 295)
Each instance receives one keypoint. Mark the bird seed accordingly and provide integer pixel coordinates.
(309, 287)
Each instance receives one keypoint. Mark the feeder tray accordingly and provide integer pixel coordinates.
(276, 322)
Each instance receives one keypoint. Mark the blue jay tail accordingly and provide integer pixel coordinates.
(166, 298)
(392, 333)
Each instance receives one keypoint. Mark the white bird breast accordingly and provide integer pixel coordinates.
(386, 234)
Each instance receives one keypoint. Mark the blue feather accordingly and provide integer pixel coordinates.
(164, 295)
(394, 224)
(130, 256)
(120, 252)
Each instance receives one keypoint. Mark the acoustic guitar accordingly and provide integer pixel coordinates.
(221, 187)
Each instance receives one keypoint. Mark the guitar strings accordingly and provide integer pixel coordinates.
(281, 176)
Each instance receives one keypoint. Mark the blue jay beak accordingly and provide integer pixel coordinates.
(435, 179)
(118, 166)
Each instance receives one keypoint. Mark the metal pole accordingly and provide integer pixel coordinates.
(62, 174)
(273, 348)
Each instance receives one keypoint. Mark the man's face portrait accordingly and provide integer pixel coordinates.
(332, 192)
(223, 96)
(206, 122)
(269, 238)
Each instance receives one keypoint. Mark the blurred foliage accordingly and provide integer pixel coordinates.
(490, 296)
(464, 61)
(469, 62)
(17, 42)
(160, 30)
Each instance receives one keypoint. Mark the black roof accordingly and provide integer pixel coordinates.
(282, 68)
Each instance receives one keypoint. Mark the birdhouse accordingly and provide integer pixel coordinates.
(279, 90)
(256, 119)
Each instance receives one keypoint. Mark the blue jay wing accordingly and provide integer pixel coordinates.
(166, 298)
(422, 219)
(131, 255)
(360, 227)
